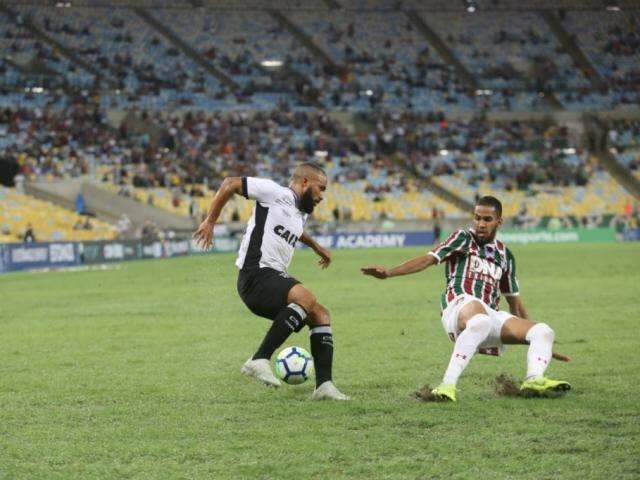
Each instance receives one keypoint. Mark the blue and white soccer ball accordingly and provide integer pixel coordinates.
(294, 365)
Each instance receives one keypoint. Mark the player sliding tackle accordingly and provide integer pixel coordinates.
(479, 268)
(276, 225)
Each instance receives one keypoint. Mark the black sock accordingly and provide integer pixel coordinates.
(322, 350)
(288, 320)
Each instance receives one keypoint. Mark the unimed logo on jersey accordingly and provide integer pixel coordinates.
(289, 237)
(482, 266)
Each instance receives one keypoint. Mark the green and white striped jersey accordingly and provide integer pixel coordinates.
(482, 270)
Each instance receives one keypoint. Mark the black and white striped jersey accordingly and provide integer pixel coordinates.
(274, 228)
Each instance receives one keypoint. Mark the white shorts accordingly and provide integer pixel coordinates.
(493, 344)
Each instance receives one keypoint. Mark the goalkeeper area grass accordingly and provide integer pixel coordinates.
(135, 373)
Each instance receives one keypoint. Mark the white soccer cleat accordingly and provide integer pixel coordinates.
(328, 391)
(260, 369)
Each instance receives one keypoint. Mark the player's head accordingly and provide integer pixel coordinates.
(487, 217)
(309, 181)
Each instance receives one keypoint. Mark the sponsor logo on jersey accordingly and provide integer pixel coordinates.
(285, 234)
(483, 267)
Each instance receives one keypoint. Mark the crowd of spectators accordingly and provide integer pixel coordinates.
(379, 60)
(198, 148)
(624, 141)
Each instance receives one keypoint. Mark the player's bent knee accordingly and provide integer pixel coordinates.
(320, 316)
(303, 297)
(480, 323)
(541, 331)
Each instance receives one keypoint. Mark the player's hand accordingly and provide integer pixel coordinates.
(204, 235)
(377, 271)
(325, 257)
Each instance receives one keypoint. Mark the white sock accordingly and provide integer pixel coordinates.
(477, 330)
(540, 338)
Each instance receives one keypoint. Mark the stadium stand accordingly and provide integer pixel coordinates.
(380, 59)
(50, 222)
(363, 90)
(612, 44)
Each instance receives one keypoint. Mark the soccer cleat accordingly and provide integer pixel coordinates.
(328, 391)
(445, 392)
(260, 369)
(542, 385)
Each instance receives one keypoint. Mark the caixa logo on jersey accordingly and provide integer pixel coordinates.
(288, 237)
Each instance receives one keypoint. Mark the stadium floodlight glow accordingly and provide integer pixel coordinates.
(611, 6)
(470, 5)
(444, 152)
(271, 63)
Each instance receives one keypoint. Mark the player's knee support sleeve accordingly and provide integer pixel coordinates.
(540, 332)
(479, 324)
(295, 317)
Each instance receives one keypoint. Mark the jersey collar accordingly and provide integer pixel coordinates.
(480, 242)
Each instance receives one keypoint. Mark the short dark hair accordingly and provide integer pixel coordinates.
(489, 201)
(303, 169)
(314, 166)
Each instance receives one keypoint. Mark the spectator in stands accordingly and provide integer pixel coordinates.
(149, 232)
(437, 231)
(124, 224)
(29, 236)
(80, 204)
(87, 225)
(194, 209)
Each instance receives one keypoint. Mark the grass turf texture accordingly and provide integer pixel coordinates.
(134, 373)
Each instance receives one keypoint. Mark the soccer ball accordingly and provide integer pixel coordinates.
(294, 365)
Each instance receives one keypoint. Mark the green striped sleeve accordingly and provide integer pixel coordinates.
(509, 280)
(456, 242)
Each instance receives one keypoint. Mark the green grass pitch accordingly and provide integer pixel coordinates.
(134, 373)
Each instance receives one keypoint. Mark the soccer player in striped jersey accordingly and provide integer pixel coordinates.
(478, 269)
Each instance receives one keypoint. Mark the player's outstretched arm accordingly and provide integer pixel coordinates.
(323, 253)
(415, 265)
(204, 234)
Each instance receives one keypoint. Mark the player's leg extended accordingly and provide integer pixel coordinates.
(288, 320)
(540, 338)
(321, 340)
(475, 326)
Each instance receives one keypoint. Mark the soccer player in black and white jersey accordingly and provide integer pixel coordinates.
(266, 250)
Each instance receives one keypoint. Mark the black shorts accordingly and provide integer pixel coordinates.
(265, 290)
